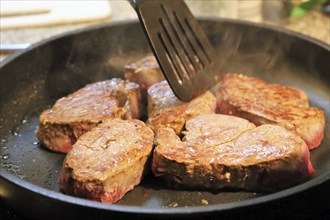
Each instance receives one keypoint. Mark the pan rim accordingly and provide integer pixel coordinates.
(163, 211)
(271, 27)
(202, 209)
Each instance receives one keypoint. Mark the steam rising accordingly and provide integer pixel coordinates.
(239, 46)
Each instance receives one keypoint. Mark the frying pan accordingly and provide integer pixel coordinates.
(32, 80)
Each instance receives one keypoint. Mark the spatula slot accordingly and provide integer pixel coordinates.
(173, 35)
(183, 51)
(203, 55)
(172, 61)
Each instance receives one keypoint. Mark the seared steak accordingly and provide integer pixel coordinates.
(79, 112)
(107, 161)
(222, 151)
(144, 72)
(166, 110)
(262, 103)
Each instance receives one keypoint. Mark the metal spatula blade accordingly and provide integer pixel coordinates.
(183, 51)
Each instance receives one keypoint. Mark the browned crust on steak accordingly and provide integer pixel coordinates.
(262, 103)
(221, 151)
(144, 72)
(107, 161)
(166, 110)
(79, 112)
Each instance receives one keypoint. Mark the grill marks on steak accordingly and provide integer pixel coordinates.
(221, 151)
(107, 161)
(262, 103)
(166, 110)
(79, 112)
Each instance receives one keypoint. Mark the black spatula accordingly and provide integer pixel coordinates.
(183, 51)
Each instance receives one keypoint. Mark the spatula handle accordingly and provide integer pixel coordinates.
(135, 3)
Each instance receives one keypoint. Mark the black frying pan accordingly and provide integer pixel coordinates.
(33, 79)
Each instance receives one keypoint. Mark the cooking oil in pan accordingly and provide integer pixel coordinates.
(23, 156)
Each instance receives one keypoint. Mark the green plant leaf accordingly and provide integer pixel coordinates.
(305, 7)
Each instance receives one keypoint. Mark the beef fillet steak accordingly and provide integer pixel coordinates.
(79, 112)
(166, 110)
(262, 103)
(107, 161)
(222, 151)
(144, 72)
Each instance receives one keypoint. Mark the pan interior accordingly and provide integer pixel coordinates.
(33, 81)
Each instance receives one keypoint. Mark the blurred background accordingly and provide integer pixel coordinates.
(24, 22)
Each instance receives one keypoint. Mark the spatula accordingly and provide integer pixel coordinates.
(180, 45)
